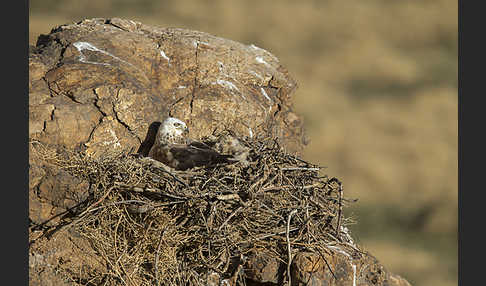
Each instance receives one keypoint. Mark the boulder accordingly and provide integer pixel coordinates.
(338, 267)
(99, 84)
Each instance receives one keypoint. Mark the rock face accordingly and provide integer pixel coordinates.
(337, 267)
(312, 269)
(104, 85)
(99, 84)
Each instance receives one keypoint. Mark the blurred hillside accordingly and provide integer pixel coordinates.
(378, 91)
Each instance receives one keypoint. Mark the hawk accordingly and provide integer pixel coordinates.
(173, 148)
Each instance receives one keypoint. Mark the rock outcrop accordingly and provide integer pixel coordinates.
(99, 84)
(103, 85)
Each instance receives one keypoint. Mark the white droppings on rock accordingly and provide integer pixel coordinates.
(260, 49)
(266, 95)
(165, 56)
(255, 47)
(88, 46)
(228, 84)
(262, 61)
(181, 87)
(220, 67)
(345, 230)
(196, 43)
(257, 75)
(339, 250)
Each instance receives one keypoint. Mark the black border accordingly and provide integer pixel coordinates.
(14, 200)
(471, 119)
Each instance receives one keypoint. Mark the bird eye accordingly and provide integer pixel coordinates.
(177, 124)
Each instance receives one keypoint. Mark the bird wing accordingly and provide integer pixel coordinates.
(199, 145)
(196, 154)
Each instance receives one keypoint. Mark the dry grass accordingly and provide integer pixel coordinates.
(377, 87)
(155, 226)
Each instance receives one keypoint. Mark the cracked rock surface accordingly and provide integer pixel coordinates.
(100, 83)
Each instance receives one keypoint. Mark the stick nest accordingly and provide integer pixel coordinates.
(158, 226)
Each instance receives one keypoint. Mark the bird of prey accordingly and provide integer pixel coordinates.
(173, 148)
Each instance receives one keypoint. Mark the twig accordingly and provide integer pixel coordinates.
(166, 194)
(322, 208)
(307, 219)
(259, 237)
(338, 228)
(100, 200)
(173, 176)
(299, 168)
(310, 186)
(117, 203)
(229, 217)
(228, 197)
(115, 232)
(228, 259)
(288, 245)
(271, 211)
(157, 258)
(137, 201)
(274, 188)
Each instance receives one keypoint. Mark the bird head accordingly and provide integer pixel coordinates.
(173, 130)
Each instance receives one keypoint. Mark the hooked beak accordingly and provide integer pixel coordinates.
(186, 131)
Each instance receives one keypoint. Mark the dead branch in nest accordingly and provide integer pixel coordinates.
(289, 249)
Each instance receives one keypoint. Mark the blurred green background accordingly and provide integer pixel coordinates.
(378, 92)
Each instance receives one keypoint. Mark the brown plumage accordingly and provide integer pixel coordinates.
(172, 147)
